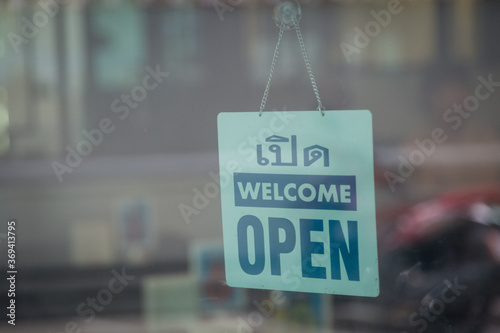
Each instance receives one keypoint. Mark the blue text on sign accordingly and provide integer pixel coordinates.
(295, 191)
(338, 246)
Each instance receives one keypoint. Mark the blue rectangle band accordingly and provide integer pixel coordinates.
(295, 191)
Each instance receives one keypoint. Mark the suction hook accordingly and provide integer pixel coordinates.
(287, 13)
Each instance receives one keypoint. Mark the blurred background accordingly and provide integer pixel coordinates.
(108, 132)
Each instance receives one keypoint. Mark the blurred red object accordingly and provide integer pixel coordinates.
(427, 218)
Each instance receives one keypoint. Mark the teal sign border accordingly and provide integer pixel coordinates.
(340, 143)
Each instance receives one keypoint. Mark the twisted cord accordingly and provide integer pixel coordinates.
(308, 66)
(271, 72)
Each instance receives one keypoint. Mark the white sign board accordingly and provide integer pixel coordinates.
(298, 201)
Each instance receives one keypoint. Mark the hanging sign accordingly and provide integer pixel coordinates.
(298, 201)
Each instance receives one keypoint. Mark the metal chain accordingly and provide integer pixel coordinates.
(271, 72)
(306, 60)
(308, 66)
